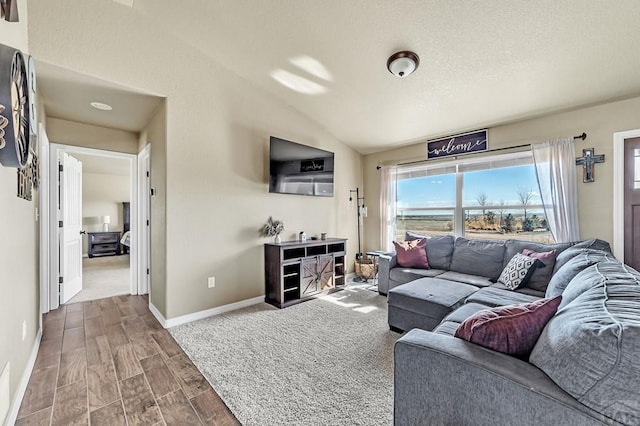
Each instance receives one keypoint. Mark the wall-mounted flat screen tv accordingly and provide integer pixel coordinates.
(299, 169)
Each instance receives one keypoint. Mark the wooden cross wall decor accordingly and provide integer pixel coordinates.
(587, 161)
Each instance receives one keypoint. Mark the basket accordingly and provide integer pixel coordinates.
(368, 268)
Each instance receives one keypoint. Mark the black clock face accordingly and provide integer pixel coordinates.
(14, 96)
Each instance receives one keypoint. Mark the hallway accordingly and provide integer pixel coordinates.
(109, 362)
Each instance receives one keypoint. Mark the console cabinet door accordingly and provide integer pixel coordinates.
(317, 275)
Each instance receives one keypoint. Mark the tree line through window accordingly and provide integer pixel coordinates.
(496, 198)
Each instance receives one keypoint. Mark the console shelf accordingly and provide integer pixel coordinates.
(296, 271)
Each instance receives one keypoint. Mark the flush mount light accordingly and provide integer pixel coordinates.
(101, 106)
(402, 64)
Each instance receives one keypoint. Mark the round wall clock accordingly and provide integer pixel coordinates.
(14, 108)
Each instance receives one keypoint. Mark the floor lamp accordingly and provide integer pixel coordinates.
(359, 278)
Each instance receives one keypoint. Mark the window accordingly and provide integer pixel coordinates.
(488, 198)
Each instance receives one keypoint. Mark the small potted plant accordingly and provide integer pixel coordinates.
(272, 228)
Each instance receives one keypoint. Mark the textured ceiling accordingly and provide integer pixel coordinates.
(482, 63)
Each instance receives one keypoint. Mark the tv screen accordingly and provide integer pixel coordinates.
(299, 169)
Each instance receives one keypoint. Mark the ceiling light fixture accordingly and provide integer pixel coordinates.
(403, 64)
(101, 106)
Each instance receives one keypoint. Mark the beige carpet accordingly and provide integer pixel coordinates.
(328, 361)
(104, 277)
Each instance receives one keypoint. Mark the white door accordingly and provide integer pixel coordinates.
(70, 231)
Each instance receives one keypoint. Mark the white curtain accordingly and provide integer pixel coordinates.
(556, 170)
(387, 207)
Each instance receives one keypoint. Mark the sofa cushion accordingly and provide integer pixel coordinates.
(513, 329)
(572, 252)
(446, 327)
(518, 271)
(431, 297)
(590, 348)
(466, 278)
(595, 244)
(523, 290)
(412, 254)
(439, 249)
(492, 297)
(405, 275)
(463, 312)
(478, 257)
(579, 262)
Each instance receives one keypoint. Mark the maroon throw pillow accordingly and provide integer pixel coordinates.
(412, 254)
(546, 257)
(513, 329)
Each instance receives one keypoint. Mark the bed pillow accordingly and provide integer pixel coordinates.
(513, 329)
(412, 254)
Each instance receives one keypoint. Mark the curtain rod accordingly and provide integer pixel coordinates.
(583, 136)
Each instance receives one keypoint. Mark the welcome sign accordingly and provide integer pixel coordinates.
(465, 143)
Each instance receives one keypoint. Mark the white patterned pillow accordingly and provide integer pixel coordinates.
(518, 271)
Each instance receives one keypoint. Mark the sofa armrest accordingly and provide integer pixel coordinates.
(440, 379)
(385, 263)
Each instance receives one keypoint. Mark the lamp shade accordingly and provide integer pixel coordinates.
(105, 219)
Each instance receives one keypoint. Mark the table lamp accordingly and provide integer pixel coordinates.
(106, 220)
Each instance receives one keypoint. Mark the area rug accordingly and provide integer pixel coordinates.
(327, 361)
(102, 277)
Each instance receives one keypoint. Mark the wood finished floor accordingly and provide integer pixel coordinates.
(109, 362)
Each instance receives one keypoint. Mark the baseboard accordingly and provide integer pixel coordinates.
(172, 322)
(24, 381)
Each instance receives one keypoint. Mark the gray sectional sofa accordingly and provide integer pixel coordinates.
(584, 368)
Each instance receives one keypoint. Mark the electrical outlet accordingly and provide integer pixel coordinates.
(211, 281)
(24, 330)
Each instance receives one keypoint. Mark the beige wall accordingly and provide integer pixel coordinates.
(595, 200)
(19, 294)
(218, 126)
(90, 136)
(102, 195)
(155, 134)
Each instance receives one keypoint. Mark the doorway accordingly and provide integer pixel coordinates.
(626, 197)
(106, 225)
(108, 262)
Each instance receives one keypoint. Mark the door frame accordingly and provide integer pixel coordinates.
(49, 185)
(144, 209)
(618, 190)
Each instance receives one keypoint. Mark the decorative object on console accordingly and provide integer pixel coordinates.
(105, 220)
(272, 228)
(302, 236)
(359, 278)
(403, 64)
(15, 98)
(512, 329)
(588, 159)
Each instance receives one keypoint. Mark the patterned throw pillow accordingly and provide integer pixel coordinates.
(412, 254)
(513, 330)
(518, 271)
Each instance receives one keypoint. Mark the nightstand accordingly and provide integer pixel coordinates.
(104, 243)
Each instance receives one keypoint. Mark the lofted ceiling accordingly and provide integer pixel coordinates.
(482, 63)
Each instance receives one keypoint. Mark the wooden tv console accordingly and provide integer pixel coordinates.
(296, 271)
